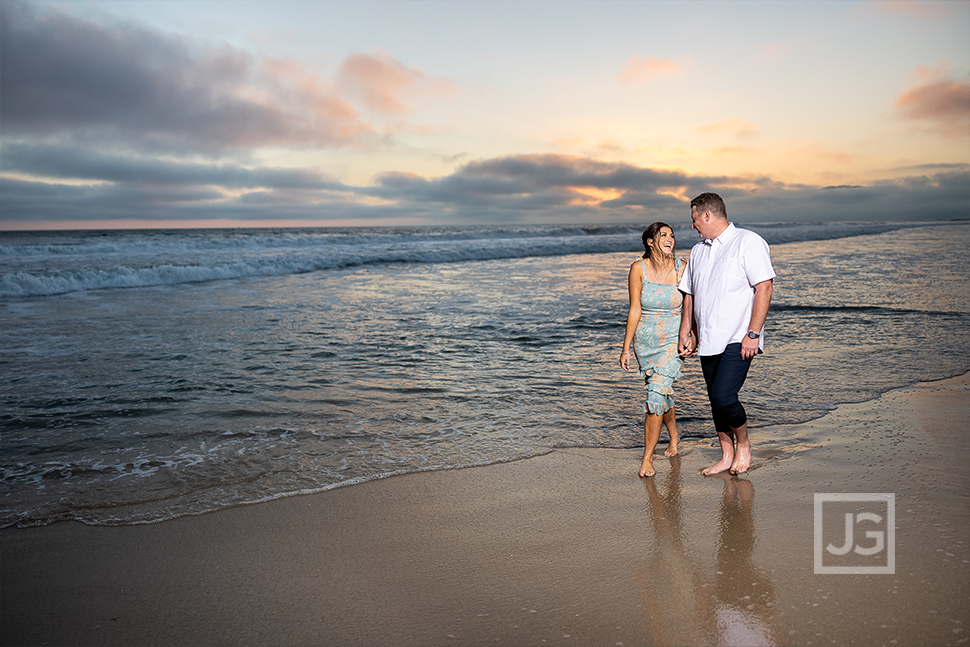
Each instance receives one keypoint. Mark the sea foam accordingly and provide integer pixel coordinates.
(49, 263)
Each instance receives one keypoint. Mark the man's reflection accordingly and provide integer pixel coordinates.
(743, 594)
(683, 605)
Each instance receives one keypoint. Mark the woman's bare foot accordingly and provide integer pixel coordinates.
(670, 421)
(646, 469)
(722, 465)
(742, 459)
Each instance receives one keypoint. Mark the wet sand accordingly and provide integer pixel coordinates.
(570, 548)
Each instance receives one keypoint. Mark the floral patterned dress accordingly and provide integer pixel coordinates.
(655, 341)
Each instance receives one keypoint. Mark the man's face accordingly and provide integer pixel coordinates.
(700, 221)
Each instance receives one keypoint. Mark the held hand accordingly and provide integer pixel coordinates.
(687, 346)
(749, 348)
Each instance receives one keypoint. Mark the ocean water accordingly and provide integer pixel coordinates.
(153, 374)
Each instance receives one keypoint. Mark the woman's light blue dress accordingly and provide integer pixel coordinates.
(655, 341)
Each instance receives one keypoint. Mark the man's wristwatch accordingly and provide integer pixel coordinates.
(753, 335)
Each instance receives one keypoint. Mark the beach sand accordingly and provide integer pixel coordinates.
(569, 548)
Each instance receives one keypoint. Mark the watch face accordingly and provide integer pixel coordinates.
(752, 335)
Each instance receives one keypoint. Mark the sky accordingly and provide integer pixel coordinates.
(171, 113)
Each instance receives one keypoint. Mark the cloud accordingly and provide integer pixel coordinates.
(941, 104)
(125, 85)
(77, 164)
(539, 183)
(89, 184)
(25, 201)
(546, 188)
(644, 70)
(561, 188)
(380, 82)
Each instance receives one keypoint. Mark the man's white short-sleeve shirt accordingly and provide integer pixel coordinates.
(721, 275)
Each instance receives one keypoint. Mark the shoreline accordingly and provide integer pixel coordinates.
(784, 445)
(569, 547)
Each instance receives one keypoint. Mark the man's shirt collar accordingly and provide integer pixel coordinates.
(724, 236)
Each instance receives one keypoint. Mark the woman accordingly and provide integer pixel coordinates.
(652, 328)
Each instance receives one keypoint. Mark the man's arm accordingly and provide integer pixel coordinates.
(759, 312)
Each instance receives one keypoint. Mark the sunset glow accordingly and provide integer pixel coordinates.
(257, 113)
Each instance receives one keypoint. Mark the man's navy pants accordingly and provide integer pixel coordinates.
(725, 375)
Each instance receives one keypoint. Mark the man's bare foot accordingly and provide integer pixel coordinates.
(742, 459)
(646, 469)
(721, 466)
(671, 449)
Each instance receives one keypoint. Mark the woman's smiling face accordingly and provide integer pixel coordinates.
(664, 241)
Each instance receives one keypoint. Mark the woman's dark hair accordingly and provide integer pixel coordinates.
(650, 233)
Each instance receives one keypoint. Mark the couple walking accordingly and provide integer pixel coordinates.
(715, 306)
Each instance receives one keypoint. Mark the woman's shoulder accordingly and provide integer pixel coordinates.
(680, 266)
(637, 271)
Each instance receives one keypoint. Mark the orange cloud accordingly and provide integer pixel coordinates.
(588, 195)
(639, 70)
(942, 104)
(678, 192)
(314, 98)
(381, 82)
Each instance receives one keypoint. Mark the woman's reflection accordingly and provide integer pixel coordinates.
(669, 586)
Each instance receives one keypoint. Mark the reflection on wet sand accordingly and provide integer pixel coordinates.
(685, 606)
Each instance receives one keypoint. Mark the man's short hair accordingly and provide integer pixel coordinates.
(709, 202)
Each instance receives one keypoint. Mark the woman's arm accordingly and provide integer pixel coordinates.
(635, 284)
(687, 340)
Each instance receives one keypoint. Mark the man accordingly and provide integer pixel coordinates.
(727, 291)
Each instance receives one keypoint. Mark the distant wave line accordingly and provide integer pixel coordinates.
(175, 241)
(865, 309)
(188, 241)
(164, 258)
(23, 284)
